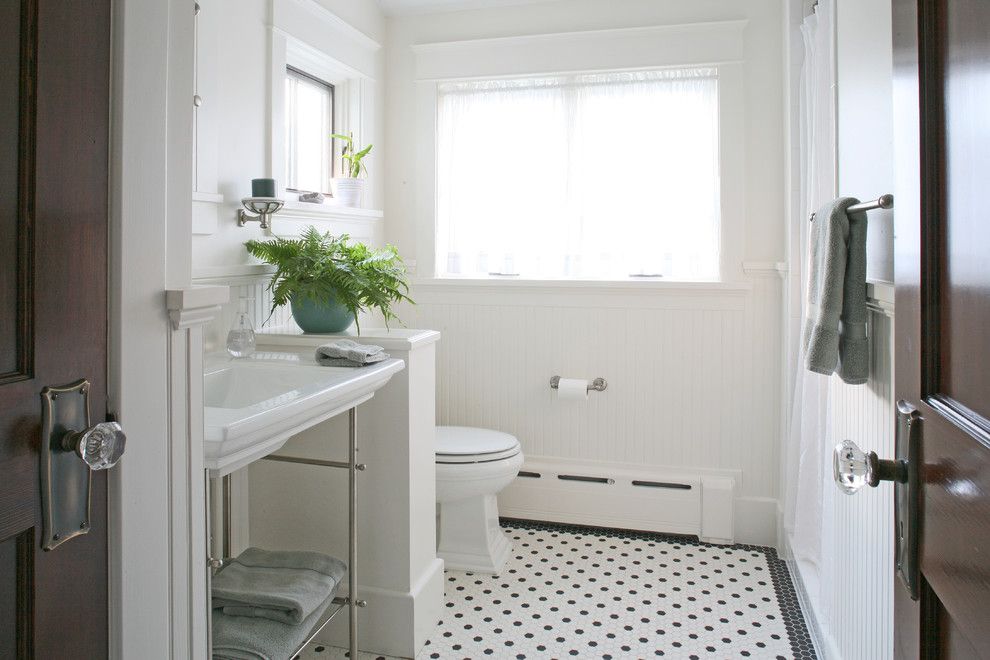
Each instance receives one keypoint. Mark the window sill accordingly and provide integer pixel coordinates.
(327, 211)
(637, 285)
(296, 217)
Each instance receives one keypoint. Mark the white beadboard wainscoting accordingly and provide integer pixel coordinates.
(852, 598)
(858, 605)
(693, 375)
(250, 284)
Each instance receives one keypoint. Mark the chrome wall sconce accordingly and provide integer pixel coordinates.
(262, 204)
(261, 210)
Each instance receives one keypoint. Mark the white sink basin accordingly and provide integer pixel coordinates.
(253, 405)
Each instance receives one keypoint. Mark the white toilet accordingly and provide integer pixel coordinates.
(473, 465)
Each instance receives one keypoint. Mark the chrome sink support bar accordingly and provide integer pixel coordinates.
(225, 498)
(352, 467)
(352, 530)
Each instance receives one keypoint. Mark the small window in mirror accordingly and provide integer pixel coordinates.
(309, 124)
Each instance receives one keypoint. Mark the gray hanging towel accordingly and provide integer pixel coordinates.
(835, 327)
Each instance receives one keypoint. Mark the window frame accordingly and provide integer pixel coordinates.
(355, 107)
(745, 165)
(295, 71)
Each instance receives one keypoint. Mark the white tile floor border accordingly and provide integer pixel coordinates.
(579, 592)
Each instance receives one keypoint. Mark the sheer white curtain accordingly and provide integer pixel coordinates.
(808, 440)
(592, 175)
(308, 125)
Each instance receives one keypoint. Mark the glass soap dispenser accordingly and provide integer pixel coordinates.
(240, 339)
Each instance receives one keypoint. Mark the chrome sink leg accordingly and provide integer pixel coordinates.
(352, 595)
(225, 496)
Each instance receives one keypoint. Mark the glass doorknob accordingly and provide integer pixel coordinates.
(100, 446)
(853, 468)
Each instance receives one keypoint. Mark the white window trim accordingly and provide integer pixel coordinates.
(337, 93)
(719, 44)
(311, 39)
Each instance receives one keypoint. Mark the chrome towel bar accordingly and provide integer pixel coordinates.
(881, 202)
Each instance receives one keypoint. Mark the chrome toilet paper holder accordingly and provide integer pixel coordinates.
(598, 384)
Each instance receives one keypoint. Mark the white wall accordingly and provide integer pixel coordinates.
(852, 615)
(243, 48)
(857, 624)
(694, 375)
(864, 70)
(762, 112)
(692, 380)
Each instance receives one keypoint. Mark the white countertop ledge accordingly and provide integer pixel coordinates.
(391, 339)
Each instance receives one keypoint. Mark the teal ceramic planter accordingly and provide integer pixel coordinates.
(321, 319)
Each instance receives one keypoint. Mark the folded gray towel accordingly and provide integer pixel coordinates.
(279, 585)
(344, 362)
(247, 638)
(836, 321)
(349, 353)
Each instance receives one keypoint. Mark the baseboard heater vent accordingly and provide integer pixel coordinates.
(651, 498)
(581, 477)
(661, 484)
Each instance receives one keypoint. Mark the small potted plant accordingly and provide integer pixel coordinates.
(328, 280)
(348, 189)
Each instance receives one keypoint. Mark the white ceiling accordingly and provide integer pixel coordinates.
(400, 7)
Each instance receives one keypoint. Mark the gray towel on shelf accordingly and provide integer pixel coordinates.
(349, 353)
(835, 327)
(281, 586)
(248, 638)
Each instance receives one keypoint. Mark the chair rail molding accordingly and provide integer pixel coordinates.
(193, 306)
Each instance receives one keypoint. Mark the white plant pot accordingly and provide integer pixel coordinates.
(347, 190)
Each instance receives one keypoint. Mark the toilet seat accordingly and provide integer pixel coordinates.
(465, 444)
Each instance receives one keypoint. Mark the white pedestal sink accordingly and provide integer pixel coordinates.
(253, 405)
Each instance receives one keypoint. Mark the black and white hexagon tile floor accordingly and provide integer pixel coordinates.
(592, 593)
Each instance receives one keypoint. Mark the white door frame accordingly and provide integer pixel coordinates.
(157, 501)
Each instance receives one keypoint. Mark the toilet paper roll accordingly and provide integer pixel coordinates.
(572, 388)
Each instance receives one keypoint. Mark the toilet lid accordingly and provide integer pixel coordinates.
(456, 444)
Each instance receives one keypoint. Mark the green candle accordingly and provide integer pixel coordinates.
(263, 187)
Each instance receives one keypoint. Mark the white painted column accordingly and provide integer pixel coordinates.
(189, 311)
(294, 507)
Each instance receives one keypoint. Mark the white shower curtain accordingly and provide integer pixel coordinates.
(807, 441)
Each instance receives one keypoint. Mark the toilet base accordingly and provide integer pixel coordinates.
(470, 536)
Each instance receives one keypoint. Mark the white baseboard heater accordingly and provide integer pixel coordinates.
(603, 495)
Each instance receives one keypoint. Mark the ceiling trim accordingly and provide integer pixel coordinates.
(414, 7)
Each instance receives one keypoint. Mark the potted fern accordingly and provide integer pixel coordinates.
(328, 280)
(348, 189)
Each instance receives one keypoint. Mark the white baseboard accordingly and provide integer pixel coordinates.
(698, 502)
(377, 630)
(824, 647)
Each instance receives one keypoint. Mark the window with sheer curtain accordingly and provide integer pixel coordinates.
(308, 125)
(590, 176)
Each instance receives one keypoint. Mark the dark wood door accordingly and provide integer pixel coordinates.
(942, 146)
(54, 109)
